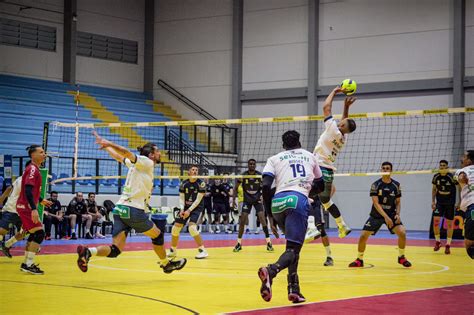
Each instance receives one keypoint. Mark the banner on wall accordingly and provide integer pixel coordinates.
(6, 165)
(458, 226)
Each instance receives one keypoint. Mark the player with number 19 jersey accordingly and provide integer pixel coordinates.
(293, 170)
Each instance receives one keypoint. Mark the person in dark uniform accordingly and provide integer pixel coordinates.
(443, 203)
(252, 198)
(385, 194)
(318, 221)
(191, 193)
(220, 194)
(228, 210)
(207, 202)
(54, 215)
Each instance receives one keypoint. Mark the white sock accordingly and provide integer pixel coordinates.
(29, 258)
(174, 248)
(11, 242)
(328, 250)
(267, 239)
(73, 231)
(360, 255)
(87, 231)
(239, 240)
(202, 247)
(437, 238)
(448, 241)
(164, 261)
(93, 250)
(401, 252)
(311, 224)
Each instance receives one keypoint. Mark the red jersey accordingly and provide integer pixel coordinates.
(31, 176)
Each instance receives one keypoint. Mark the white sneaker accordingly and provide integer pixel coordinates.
(202, 254)
(98, 235)
(171, 253)
(312, 234)
(218, 230)
(257, 231)
(229, 231)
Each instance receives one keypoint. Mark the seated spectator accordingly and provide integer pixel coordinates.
(77, 208)
(93, 210)
(54, 215)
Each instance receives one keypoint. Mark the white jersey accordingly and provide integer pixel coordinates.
(330, 143)
(293, 170)
(467, 192)
(139, 183)
(10, 206)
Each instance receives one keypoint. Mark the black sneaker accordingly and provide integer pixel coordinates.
(269, 247)
(89, 236)
(5, 250)
(73, 236)
(237, 248)
(294, 294)
(33, 269)
(84, 255)
(329, 262)
(174, 265)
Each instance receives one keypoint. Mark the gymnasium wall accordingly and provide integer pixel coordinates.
(29, 62)
(123, 19)
(193, 42)
(116, 18)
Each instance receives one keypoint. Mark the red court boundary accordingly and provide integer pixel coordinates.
(448, 300)
(136, 246)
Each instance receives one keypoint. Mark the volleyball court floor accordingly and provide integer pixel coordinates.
(227, 282)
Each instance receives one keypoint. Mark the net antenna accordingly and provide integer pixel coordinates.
(76, 133)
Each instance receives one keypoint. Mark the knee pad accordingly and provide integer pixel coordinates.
(175, 230)
(114, 251)
(37, 237)
(159, 240)
(193, 231)
(326, 203)
(470, 252)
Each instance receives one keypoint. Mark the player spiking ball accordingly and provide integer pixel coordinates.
(330, 143)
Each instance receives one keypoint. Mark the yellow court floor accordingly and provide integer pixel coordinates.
(225, 282)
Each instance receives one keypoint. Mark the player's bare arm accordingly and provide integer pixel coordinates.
(327, 108)
(116, 151)
(348, 101)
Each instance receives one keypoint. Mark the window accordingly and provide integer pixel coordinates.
(29, 35)
(111, 48)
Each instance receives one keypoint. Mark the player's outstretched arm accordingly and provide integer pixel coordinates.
(116, 151)
(348, 101)
(327, 108)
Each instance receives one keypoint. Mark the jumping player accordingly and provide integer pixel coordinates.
(465, 178)
(26, 207)
(329, 145)
(385, 194)
(191, 194)
(131, 211)
(296, 172)
(252, 188)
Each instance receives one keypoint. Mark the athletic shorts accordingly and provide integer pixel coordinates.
(247, 207)
(328, 177)
(193, 217)
(127, 218)
(220, 208)
(25, 216)
(446, 211)
(10, 218)
(208, 206)
(374, 224)
(290, 211)
(469, 223)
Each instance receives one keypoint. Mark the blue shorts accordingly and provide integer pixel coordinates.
(127, 218)
(10, 218)
(290, 210)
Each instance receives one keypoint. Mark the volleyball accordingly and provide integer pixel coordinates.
(349, 85)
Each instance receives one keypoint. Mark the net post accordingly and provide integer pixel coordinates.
(97, 174)
(119, 186)
(161, 181)
(44, 179)
(74, 164)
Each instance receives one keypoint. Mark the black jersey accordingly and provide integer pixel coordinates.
(191, 191)
(252, 188)
(445, 188)
(387, 194)
(220, 193)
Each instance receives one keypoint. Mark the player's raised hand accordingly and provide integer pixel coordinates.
(349, 100)
(100, 141)
(338, 89)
